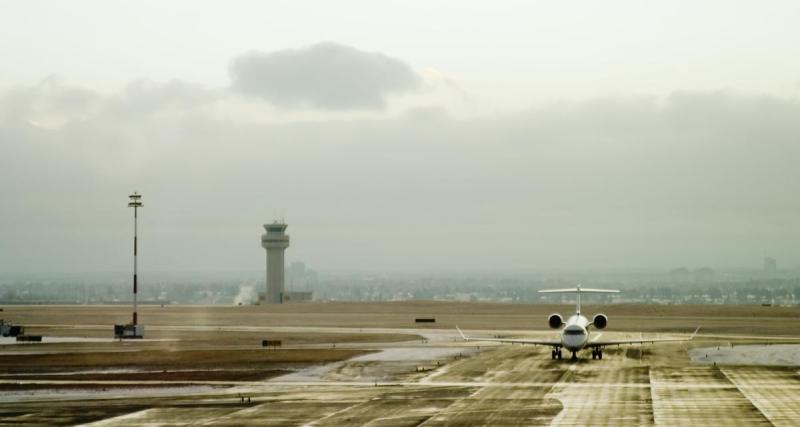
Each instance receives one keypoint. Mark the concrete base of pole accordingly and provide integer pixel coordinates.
(128, 331)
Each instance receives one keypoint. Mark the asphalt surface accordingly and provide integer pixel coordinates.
(443, 381)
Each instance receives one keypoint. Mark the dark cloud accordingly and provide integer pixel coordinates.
(326, 75)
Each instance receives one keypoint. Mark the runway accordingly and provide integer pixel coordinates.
(580, 394)
(472, 385)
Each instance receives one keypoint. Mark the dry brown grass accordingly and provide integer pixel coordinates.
(165, 375)
(193, 359)
(628, 317)
(214, 338)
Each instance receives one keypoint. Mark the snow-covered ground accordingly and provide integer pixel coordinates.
(759, 354)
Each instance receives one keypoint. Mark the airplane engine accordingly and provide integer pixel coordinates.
(600, 321)
(555, 321)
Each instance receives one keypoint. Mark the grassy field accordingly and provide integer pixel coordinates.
(194, 359)
(167, 365)
(97, 320)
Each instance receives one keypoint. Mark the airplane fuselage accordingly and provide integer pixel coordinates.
(575, 334)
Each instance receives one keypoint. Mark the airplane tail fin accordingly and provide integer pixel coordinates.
(578, 290)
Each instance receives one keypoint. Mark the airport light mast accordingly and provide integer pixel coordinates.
(135, 203)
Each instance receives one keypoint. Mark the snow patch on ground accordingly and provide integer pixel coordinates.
(757, 355)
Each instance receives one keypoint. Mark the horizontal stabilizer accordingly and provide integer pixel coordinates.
(578, 290)
(581, 290)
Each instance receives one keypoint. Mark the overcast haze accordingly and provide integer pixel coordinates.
(400, 136)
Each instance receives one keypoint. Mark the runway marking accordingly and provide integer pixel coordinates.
(446, 408)
(748, 396)
(134, 417)
(771, 398)
(557, 420)
(619, 406)
(672, 406)
(313, 423)
(489, 405)
(235, 413)
(653, 397)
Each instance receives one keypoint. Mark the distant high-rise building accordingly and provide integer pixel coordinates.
(297, 268)
(770, 265)
(275, 241)
(300, 282)
(703, 275)
(679, 275)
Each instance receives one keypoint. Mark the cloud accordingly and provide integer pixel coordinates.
(145, 96)
(326, 75)
(696, 178)
(48, 104)
(52, 104)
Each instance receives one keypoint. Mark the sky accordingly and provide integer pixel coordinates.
(400, 136)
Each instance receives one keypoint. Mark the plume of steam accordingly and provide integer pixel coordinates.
(247, 295)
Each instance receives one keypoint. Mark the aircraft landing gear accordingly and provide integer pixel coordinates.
(574, 357)
(597, 353)
(555, 354)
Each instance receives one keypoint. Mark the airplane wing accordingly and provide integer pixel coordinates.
(554, 343)
(603, 343)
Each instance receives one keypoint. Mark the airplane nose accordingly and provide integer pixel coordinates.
(574, 338)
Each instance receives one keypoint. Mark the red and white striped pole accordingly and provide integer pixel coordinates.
(135, 203)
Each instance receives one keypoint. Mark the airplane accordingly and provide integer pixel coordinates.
(575, 331)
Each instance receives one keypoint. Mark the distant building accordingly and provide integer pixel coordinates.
(679, 275)
(297, 268)
(296, 275)
(295, 296)
(770, 265)
(300, 281)
(703, 275)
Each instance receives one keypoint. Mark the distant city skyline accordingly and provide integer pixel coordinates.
(679, 286)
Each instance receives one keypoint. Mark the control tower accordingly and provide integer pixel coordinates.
(275, 241)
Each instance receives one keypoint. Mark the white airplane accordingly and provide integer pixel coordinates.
(575, 331)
